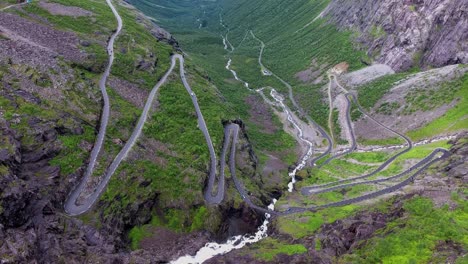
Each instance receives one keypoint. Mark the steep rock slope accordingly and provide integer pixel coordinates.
(407, 33)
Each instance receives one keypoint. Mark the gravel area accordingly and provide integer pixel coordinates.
(365, 75)
(41, 36)
(129, 91)
(341, 104)
(61, 10)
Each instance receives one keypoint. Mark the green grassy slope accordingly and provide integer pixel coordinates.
(290, 47)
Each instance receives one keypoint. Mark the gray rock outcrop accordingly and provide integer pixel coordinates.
(403, 34)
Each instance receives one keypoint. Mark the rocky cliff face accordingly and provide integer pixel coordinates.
(407, 33)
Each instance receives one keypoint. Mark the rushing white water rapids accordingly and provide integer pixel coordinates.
(234, 73)
(280, 100)
(213, 249)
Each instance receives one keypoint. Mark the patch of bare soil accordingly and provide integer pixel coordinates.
(166, 245)
(405, 123)
(129, 91)
(312, 74)
(341, 67)
(341, 104)
(149, 149)
(448, 251)
(61, 10)
(274, 164)
(365, 75)
(41, 36)
(275, 170)
(260, 114)
(368, 129)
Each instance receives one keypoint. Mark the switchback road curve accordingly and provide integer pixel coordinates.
(70, 205)
(230, 141)
(73, 209)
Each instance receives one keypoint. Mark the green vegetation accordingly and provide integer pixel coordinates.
(335, 170)
(318, 245)
(416, 153)
(453, 120)
(102, 20)
(388, 108)
(245, 63)
(369, 157)
(73, 155)
(268, 248)
(423, 150)
(317, 176)
(336, 126)
(173, 174)
(381, 142)
(3, 172)
(371, 92)
(5, 3)
(377, 32)
(426, 99)
(310, 98)
(137, 45)
(305, 224)
(183, 165)
(413, 238)
(344, 168)
(207, 53)
(338, 195)
(291, 46)
(174, 219)
(355, 113)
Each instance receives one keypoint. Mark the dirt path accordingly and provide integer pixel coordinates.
(13, 36)
(11, 6)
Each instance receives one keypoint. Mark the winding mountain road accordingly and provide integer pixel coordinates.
(307, 190)
(70, 205)
(419, 164)
(73, 209)
(353, 136)
(423, 164)
(231, 133)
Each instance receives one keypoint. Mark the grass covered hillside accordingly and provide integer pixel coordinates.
(296, 44)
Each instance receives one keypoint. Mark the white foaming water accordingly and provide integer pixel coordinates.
(213, 249)
(234, 73)
(224, 43)
(279, 99)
